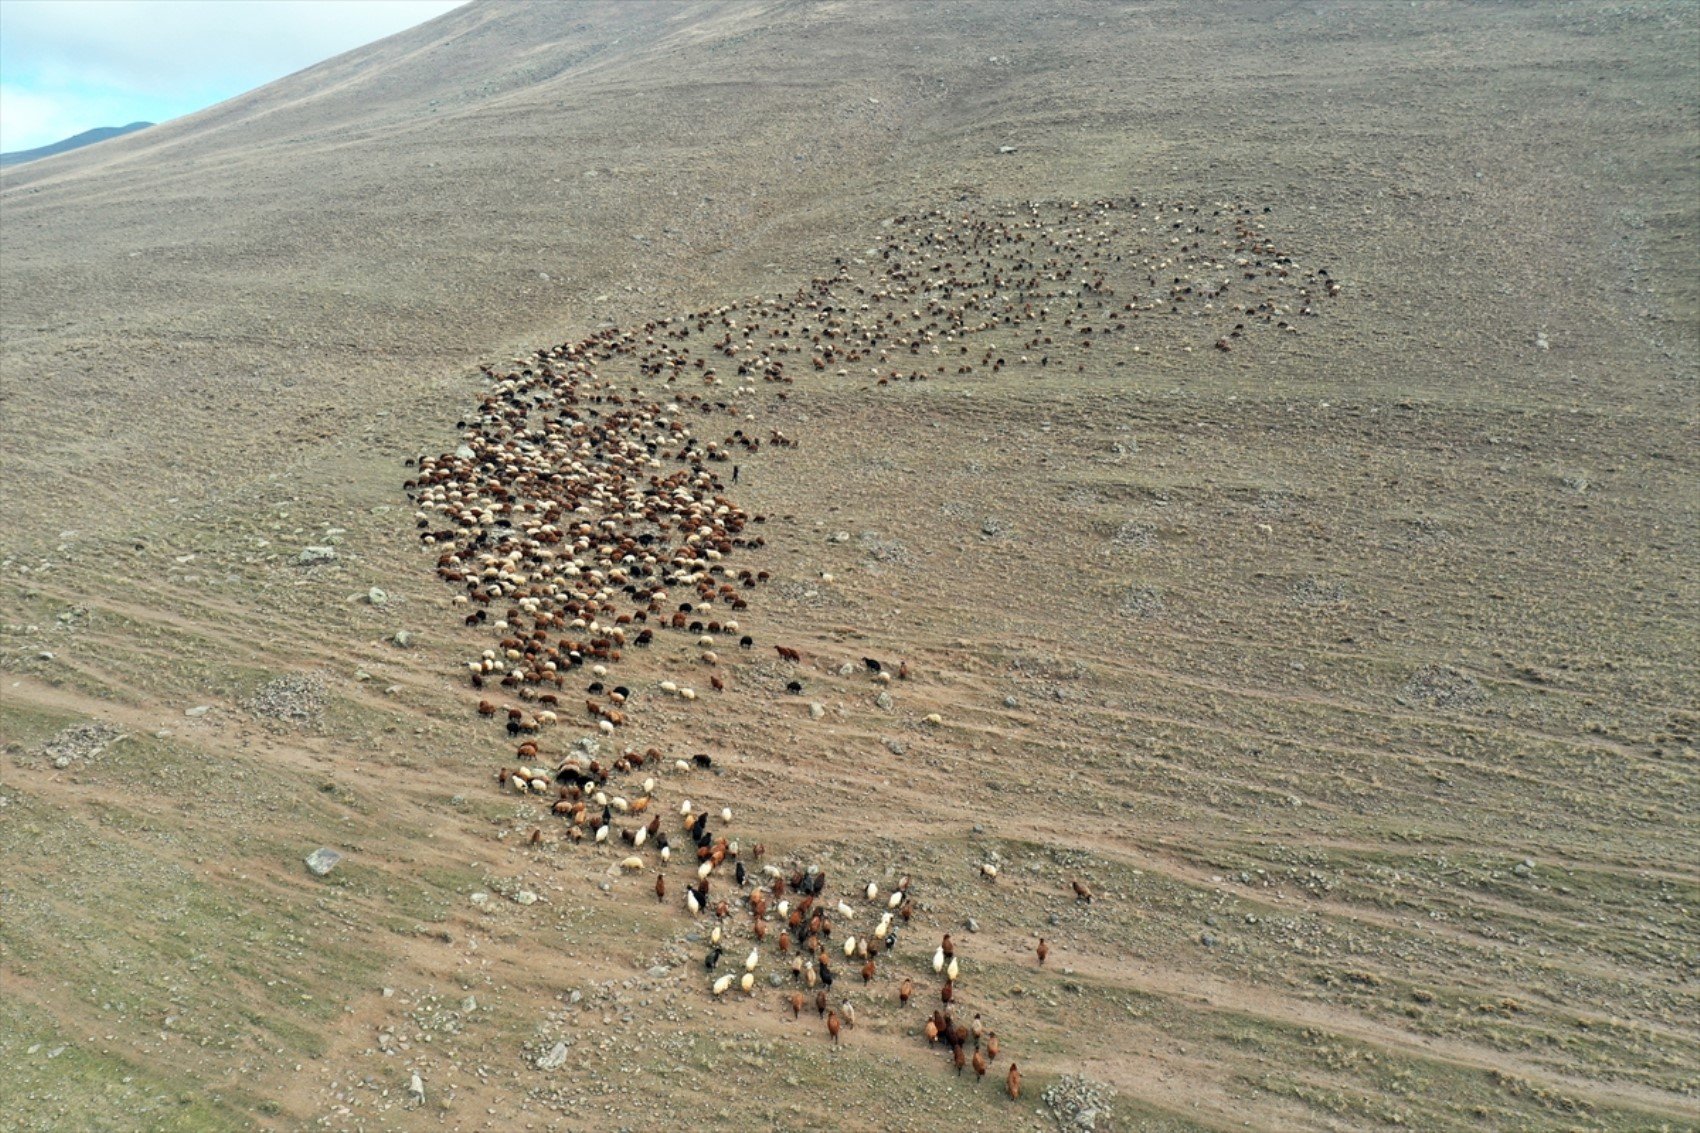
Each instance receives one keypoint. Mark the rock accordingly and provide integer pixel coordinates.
(554, 1058)
(362, 675)
(847, 669)
(198, 710)
(816, 710)
(841, 537)
(659, 972)
(991, 525)
(312, 556)
(896, 747)
(973, 925)
(322, 860)
(377, 596)
(465, 452)
(1208, 940)
(480, 899)
(416, 1090)
(44, 655)
(469, 1004)
(1524, 868)
(884, 700)
(403, 638)
(1006, 149)
(525, 897)
(1011, 702)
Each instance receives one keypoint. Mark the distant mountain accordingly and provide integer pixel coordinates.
(86, 138)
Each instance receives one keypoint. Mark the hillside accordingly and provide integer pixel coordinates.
(1290, 540)
(75, 141)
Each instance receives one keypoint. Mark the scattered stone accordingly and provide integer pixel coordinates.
(1442, 686)
(973, 925)
(896, 747)
(416, 1089)
(1006, 149)
(1077, 1104)
(313, 556)
(525, 897)
(294, 698)
(884, 700)
(659, 971)
(198, 710)
(555, 1057)
(403, 638)
(377, 596)
(322, 860)
(1208, 940)
(80, 742)
(991, 525)
(816, 710)
(1011, 702)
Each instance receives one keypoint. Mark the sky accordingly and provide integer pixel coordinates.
(70, 65)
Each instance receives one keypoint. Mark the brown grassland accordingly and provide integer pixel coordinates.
(1354, 668)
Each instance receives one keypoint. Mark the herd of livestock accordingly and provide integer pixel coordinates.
(590, 508)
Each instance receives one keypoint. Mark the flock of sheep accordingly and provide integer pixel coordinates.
(586, 511)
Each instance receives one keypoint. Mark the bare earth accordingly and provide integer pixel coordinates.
(1351, 667)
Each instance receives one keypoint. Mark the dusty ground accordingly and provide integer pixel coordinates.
(1352, 668)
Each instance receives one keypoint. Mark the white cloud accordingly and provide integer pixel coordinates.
(67, 59)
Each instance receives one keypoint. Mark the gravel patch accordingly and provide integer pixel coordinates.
(79, 742)
(1442, 686)
(294, 698)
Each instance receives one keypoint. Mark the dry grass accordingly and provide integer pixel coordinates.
(1303, 649)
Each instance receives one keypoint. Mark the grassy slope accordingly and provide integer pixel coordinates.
(223, 336)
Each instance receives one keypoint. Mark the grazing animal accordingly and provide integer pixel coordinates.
(660, 888)
(832, 1025)
(1012, 1083)
(796, 1004)
(1043, 950)
(979, 1066)
(904, 992)
(1081, 893)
